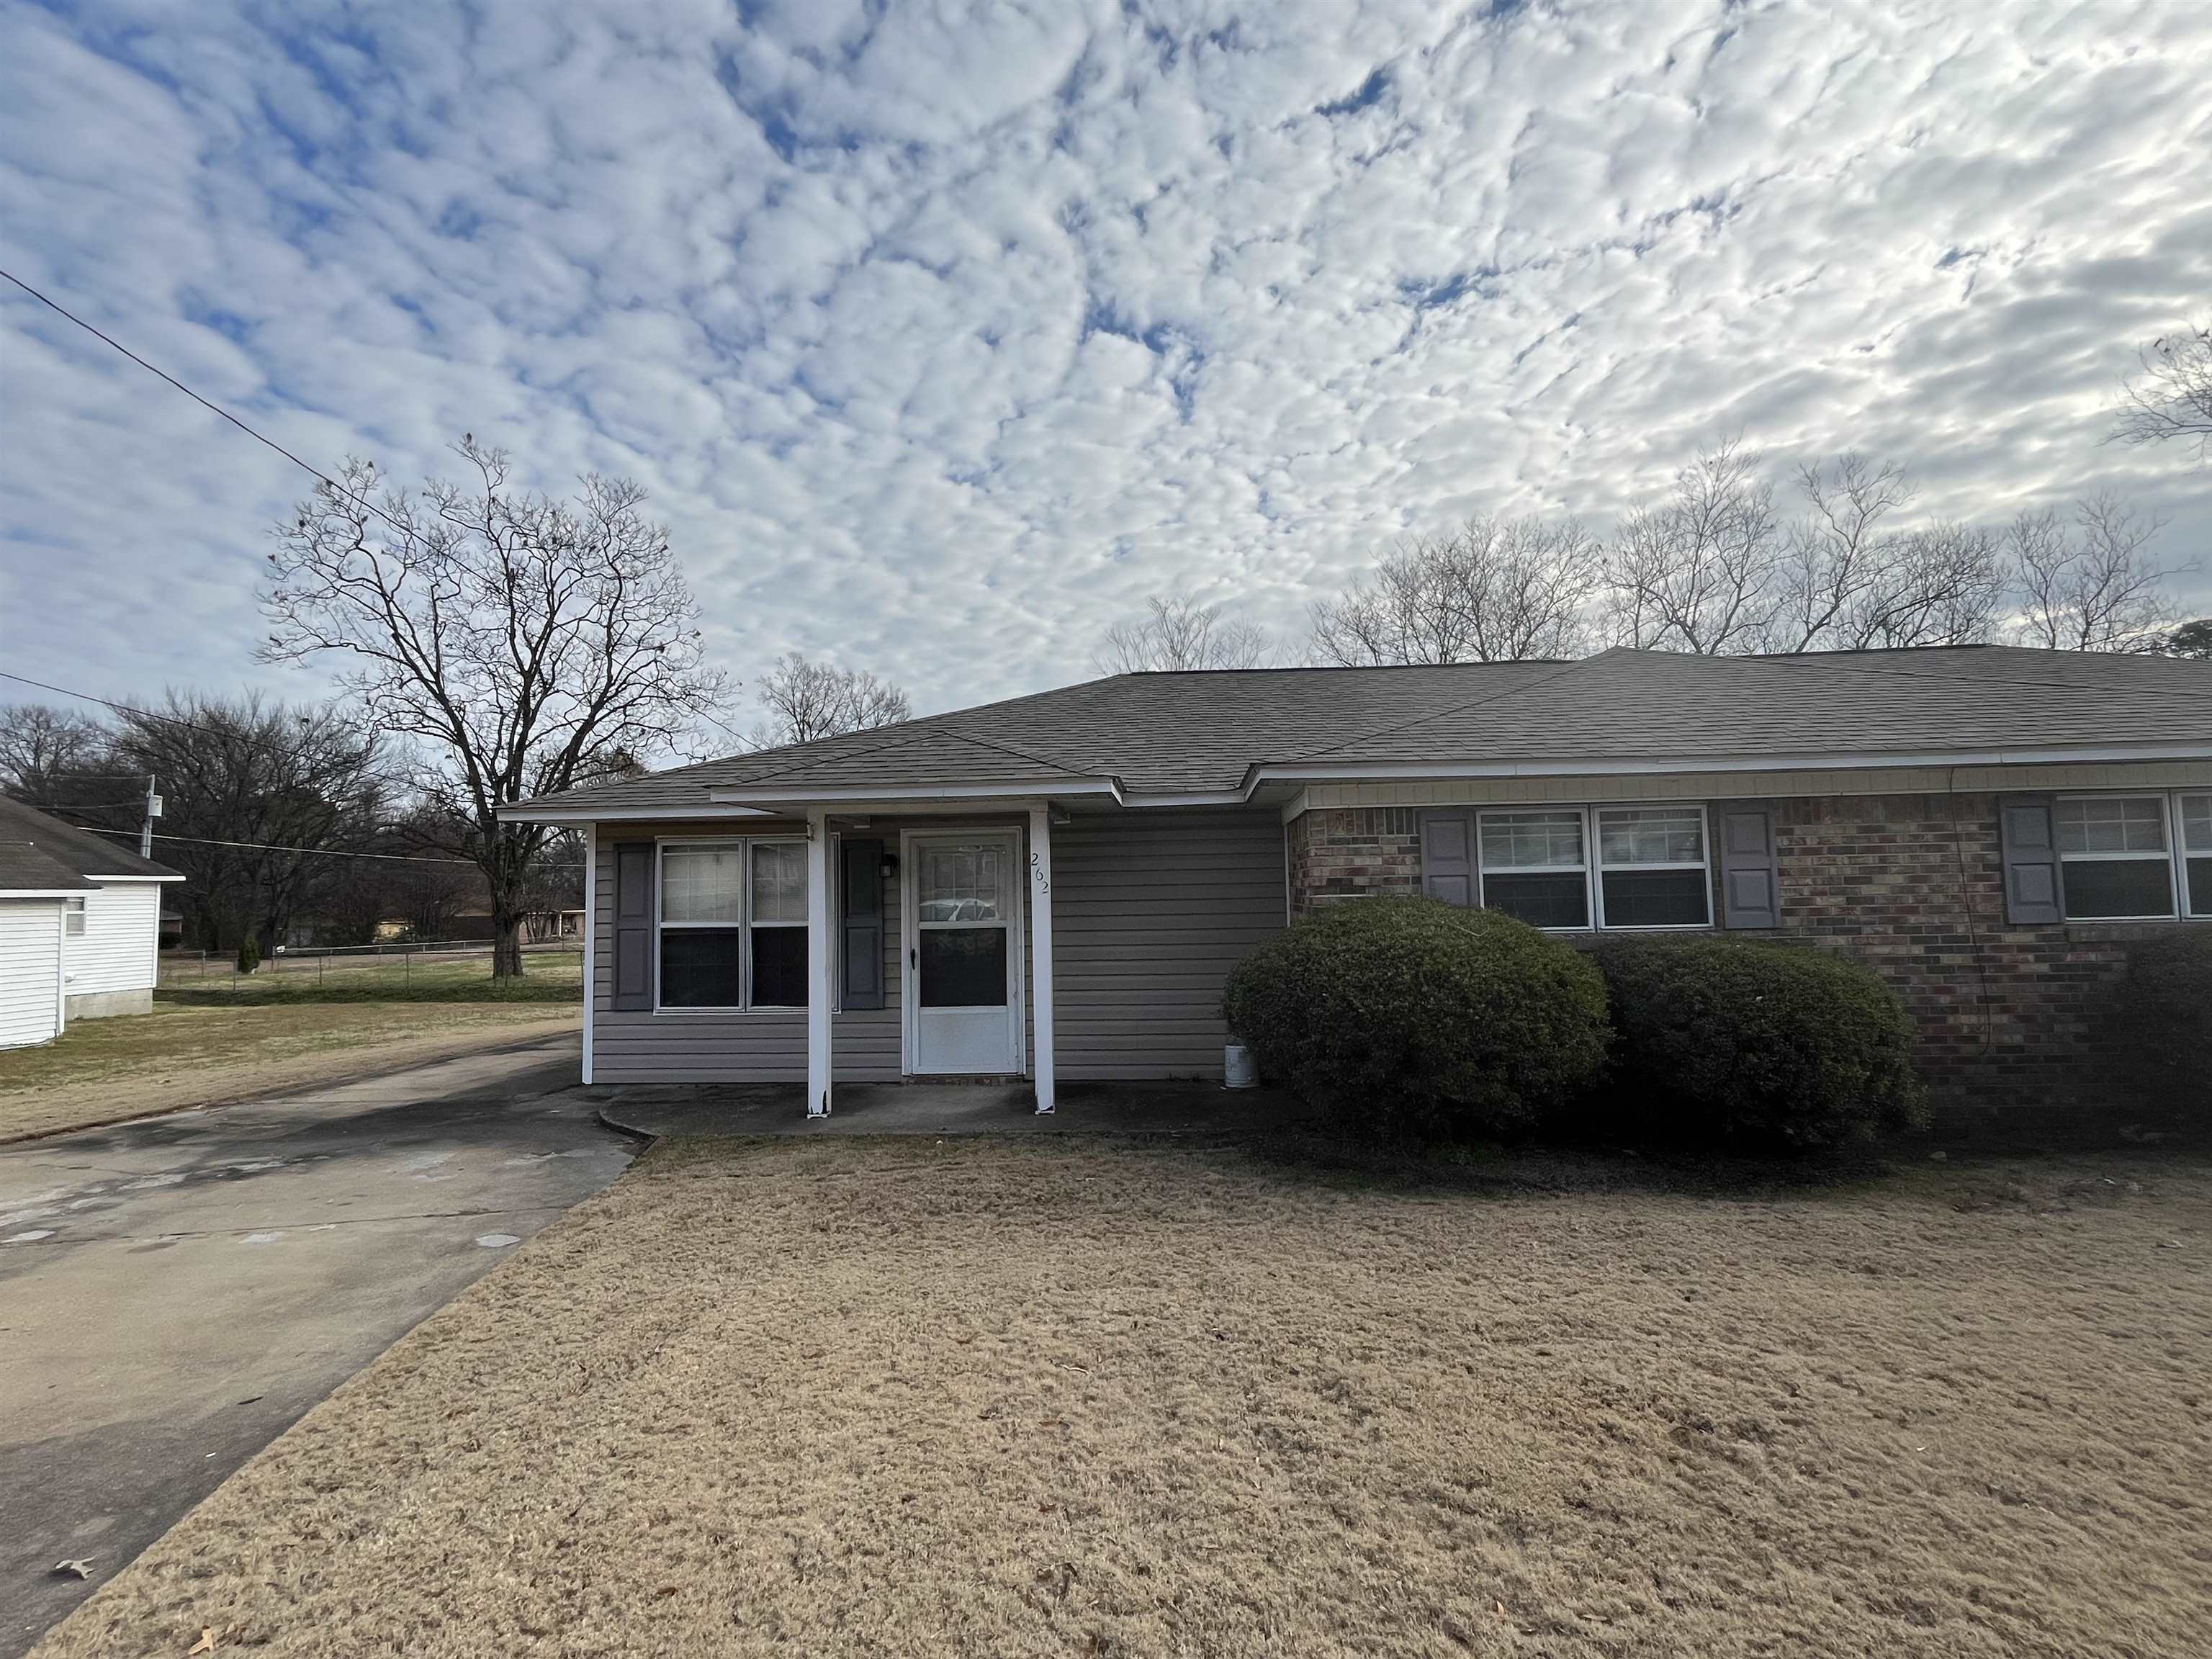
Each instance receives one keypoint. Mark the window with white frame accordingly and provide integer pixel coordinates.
(1651, 867)
(2196, 852)
(732, 929)
(1535, 867)
(73, 917)
(2115, 857)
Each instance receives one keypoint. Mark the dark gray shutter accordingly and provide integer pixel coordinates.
(862, 925)
(2028, 837)
(633, 941)
(1751, 883)
(1448, 856)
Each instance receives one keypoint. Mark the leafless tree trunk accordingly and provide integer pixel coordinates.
(1496, 590)
(2170, 398)
(2096, 588)
(1178, 634)
(522, 643)
(806, 701)
(1700, 572)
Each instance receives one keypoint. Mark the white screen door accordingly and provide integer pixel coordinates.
(963, 949)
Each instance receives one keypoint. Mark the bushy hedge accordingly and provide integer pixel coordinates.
(2160, 1019)
(1420, 1018)
(1721, 1041)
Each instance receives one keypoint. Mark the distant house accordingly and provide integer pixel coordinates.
(1057, 886)
(80, 926)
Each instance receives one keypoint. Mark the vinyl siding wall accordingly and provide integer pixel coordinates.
(1149, 912)
(30, 970)
(115, 952)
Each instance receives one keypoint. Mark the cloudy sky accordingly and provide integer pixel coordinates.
(942, 334)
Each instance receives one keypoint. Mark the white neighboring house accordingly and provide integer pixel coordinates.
(80, 926)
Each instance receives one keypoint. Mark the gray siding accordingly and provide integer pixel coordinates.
(1150, 910)
(766, 1046)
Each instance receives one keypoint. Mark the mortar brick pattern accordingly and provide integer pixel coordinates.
(1353, 852)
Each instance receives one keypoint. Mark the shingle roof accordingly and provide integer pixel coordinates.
(36, 850)
(1170, 733)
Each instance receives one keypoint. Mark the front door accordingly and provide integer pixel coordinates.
(963, 951)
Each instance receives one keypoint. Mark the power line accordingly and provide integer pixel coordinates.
(233, 736)
(323, 852)
(59, 309)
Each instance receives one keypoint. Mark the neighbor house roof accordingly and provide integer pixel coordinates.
(1170, 736)
(38, 854)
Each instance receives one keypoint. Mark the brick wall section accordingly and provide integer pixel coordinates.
(1910, 885)
(1352, 852)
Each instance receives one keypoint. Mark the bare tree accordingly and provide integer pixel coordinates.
(40, 745)
(257, 794)
(2094, 586)
(519, 640)
(807, 699)
(1700, 572)
(2169, 398)
(1941, 584)
(1178, 633)
(1496, 589)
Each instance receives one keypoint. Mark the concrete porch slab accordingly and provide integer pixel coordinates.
(944, 1109)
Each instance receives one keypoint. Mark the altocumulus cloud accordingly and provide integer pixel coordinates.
(941, 335)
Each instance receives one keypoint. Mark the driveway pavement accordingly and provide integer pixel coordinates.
(175, 1293)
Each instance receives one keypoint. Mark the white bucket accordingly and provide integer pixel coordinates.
(1237, 1071)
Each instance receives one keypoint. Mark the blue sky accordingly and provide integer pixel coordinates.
(943, 334)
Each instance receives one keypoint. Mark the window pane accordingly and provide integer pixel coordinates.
(2132, 824)
(778, 967)
(2200, 887)
(1655, 899)
(779, 883)
(701, 883)
(1654, 835)
(702, 968)
(1539, 901)
(963, 967)
(2118, 887)
(2196, 823)
(963, 881)
(1520, 840)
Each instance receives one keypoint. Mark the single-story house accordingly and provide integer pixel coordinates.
(80, 926)
(1056, 886)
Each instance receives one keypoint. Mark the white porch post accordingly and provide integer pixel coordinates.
(591, 933)
(820, 963)
(1040, 949)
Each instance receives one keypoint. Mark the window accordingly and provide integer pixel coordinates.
(73, 918)
(1533, 868)
(2114, 860)
(1651, 867)
(2196, 852)
(733, 925)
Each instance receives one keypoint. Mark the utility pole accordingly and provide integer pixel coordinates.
(146, 823)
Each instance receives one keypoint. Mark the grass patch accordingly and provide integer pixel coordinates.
(549, 978)
(1024, 1396)
(192, 1054)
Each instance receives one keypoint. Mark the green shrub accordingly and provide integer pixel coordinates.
(2160, 1019)
(1738, 1042)
(1417, 1018)
(249, 954)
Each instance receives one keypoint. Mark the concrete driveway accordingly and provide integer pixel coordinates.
(176, 1292)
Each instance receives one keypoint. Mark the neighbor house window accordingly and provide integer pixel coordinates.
(1651, 867)
(1534, 866)
(733, 925)
(2196, 852)
(73, 917)
(2114, 858)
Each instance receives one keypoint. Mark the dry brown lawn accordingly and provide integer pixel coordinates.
(102, 1070)
(1062, 1397)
